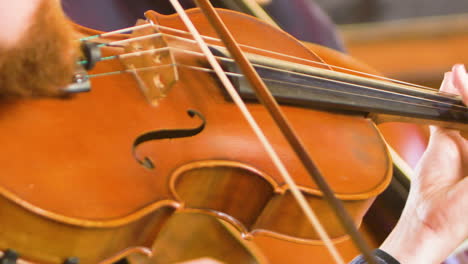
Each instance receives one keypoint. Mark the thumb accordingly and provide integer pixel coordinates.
(460, 81)
(441, 164)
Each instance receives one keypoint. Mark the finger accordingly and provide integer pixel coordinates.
(455, 82)
(448, 85)
(442, 162)
(457, 203)
(460, 81)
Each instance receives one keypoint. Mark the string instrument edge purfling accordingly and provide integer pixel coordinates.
(99, 204)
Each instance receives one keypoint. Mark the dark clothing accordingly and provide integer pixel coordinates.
(306, 21)
(108, 15)
(381, 256)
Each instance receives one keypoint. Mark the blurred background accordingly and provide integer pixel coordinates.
(413, 40)
(365, 11)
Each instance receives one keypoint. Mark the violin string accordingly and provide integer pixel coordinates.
(266, 144)
(448, 95)
(233, 74)
(138, 53)
(108, 34)
(295, 58)
(188, 40)
(132, 54)
(449, 105)
(125, 41)
(153, 51)
(278, 54)
(132, 70)
(301, 59)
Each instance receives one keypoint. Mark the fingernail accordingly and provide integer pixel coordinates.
(448, 78)
(459, 67)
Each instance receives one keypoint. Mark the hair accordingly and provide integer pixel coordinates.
(43, 61)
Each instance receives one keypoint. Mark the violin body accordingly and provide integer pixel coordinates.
(70, 186)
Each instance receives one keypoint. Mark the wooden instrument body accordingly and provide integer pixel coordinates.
(71, 187)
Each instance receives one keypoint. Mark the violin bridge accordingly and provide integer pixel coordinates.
(151, 61)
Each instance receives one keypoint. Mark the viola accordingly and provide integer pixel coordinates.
(90, 198)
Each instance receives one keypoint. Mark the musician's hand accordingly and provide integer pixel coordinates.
(434, 221)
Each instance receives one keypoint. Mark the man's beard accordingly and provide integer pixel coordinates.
(43, 61)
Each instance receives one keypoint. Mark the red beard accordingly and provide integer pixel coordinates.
(43, 61)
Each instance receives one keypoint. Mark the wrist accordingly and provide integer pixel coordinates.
(413, 242)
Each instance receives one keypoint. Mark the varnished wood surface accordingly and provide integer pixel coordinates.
(208, 237)
(414, 50)
(95, 185)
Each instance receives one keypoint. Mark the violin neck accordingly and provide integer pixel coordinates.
(384, 101)
(384, 118)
